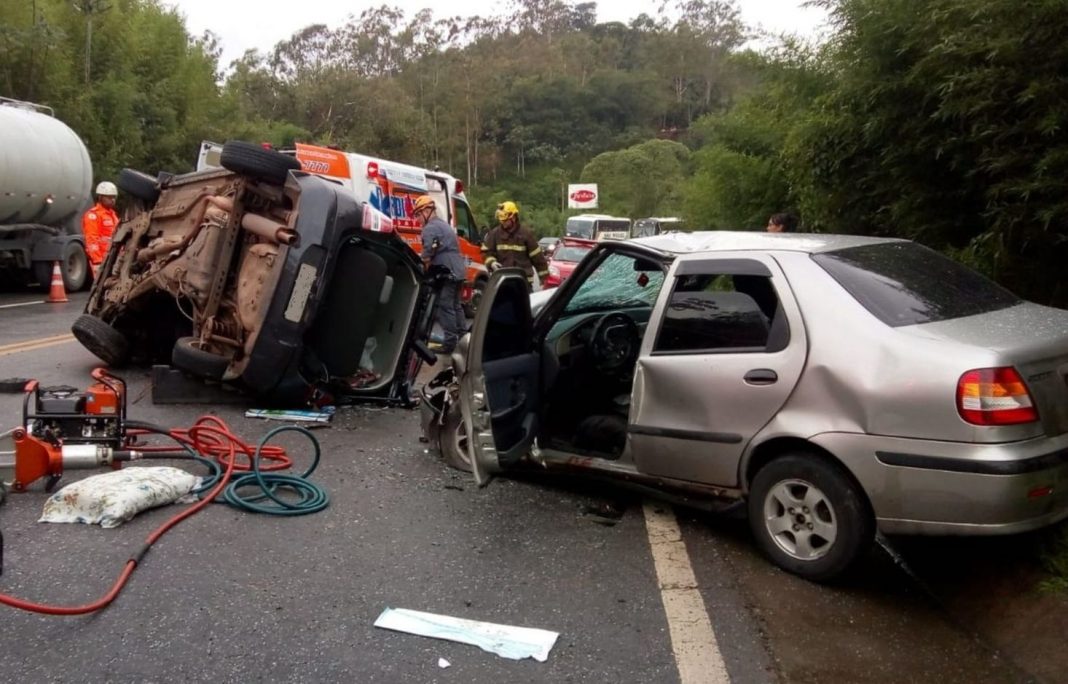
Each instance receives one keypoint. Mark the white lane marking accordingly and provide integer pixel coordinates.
(693, 641)
(11, 306)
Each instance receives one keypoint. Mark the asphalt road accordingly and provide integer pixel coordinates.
(230, 596)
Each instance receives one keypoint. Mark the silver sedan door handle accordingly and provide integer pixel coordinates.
(761, 376)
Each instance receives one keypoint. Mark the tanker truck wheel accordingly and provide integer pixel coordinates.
(101, 339)
(74, 266)
(250, 159)
(138, 185)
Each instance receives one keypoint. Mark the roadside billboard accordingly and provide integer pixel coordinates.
(582, 196)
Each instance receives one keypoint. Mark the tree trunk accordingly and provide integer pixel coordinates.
(468, 153)
(88, 44)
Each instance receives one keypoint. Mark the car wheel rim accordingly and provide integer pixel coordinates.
(459, 442)
(800, 520)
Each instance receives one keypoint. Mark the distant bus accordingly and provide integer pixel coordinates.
(597, 227)
(655, 226)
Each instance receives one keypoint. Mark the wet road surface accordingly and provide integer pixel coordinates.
(235, 597)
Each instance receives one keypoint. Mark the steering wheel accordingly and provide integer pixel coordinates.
(615, 342)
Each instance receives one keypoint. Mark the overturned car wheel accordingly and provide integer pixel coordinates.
(253, 160)
(138, 185)
(101, 339)
(188, 356)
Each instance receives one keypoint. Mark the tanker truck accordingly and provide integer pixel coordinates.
(45, 186)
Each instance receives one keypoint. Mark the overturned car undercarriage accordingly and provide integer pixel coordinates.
(262, 276)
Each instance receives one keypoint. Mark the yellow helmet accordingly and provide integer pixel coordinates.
(507, 210)
(422, 202)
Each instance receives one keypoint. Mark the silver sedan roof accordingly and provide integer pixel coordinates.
(724, 240)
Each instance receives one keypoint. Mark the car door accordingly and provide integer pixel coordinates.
(500, 383)
(723, 353)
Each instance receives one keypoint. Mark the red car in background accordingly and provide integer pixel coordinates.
(568, 253)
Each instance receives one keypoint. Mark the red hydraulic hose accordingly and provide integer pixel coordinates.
(222, 449)
(208, 433)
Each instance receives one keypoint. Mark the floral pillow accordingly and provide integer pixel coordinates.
(110, 499)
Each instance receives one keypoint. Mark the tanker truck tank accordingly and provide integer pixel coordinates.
(45, 185)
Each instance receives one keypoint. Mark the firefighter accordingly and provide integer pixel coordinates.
(510, 245)
(98, 224)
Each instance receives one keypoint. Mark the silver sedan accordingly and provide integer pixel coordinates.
(833, 385)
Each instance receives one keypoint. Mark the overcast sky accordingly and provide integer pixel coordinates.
(246, 24)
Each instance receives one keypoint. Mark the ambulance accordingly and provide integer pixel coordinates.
(392, 187)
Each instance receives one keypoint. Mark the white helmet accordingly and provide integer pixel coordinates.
(107, 188)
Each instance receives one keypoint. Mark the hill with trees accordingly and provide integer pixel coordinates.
(942, 122)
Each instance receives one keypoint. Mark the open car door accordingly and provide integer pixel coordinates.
(500, 382)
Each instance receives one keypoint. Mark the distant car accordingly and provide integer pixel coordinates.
(548, 245)
(833, 385)
(264, 276)
(567, 255)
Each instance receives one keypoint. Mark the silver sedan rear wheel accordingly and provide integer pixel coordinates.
(810, 516)
(800, 519)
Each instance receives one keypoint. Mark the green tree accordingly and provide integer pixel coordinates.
(741, 175)
(946, 123)
(151, 93)
(643, 180)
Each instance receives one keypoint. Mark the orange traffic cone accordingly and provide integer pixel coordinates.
(57, 294)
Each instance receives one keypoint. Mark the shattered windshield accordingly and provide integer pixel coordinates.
(620, 281)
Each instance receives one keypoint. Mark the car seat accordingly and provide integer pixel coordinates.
(349, 315)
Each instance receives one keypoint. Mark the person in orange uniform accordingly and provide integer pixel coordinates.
(98, 224)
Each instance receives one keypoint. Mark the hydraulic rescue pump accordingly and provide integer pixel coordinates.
(64, 429)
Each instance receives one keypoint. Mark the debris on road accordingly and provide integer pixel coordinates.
(607, 514)
(514, 643)
(324, 415)
(442, 663)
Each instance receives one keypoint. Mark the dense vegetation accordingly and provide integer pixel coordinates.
(942, 121)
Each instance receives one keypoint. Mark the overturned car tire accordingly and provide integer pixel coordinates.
(188, 356)
(101, 339)
(138, 185)
(253, 160)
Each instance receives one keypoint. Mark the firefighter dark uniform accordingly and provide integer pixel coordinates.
(510, 245)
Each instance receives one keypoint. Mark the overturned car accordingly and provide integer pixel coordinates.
(262, 276)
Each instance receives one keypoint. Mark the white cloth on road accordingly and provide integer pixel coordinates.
(510, 642)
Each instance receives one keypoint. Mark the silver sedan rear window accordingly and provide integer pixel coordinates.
(903, 283)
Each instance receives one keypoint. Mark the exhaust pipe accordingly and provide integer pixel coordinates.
(269, 230)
